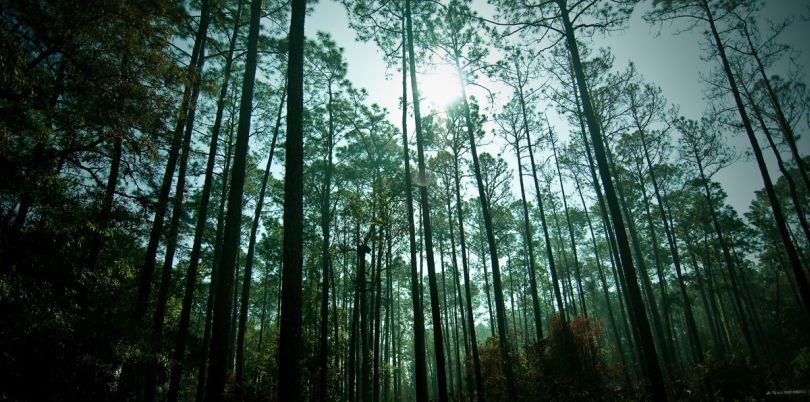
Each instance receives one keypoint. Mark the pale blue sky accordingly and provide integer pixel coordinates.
(671, 61)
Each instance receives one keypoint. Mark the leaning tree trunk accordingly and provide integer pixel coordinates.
(691, 326)
(202, 220)
(529, 240)
(500, 306)
(776, 209)
(794, 194)
(220, 328)
(159, 316)
(653, 368)
(193, 75)
(549, 253)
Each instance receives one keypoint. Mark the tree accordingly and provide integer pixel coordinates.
(289, 379)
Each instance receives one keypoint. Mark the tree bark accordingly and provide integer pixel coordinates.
(426, 222)
(230, 241)
(652, 366)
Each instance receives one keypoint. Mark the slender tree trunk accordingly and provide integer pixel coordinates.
(603, 282)
(202, 220)
(669, 340)
(193, 75)
(209, 309)
(529, 241)
(776, 209)
(652, 366)
(784, 125)
(323, 357)
(365, 347)
(691, 326)
(376, 333)
(479, 382)
(500, 307)
(248, 274)
(289, 379)
(420, 375)
(231, 235)
(570, 230)
(423, 193)
(549, 253)
(174, 226)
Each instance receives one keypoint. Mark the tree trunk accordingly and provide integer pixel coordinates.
(691, 326)
(776, 209)
(194, 75)
(201, 221)
(248, 274)
(549, 253)
(633, 294)
(423, 194)
(570, 230)
(420, 375)
(230, 242)
(479, 382)
(289, 379)
(500, 306)
(529, 236)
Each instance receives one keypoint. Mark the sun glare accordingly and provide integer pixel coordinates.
(439, 87)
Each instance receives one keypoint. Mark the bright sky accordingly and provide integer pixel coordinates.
(671, 61)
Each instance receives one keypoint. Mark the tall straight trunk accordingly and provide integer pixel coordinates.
(664, 341)
(570, 229)
(549, 253)
(603, 282)
(426, 223)
(193, 75)
(445, 307)
(323, 352)
(353, 333)
(248, 274)
(668, 341)
(209, 309)
(486, 280)
(158, 318)
(691, 326)
(500, 307)
(479, 382)
(730, 266)
(529, 241)
(177, 203)
(375, 335)
(231, 235)
(389, 317)
(568, 291)
(712, 317)
(420, 374)
(633, 293)
(231, 355)
(458, 301)
(201, 221)
(776, 208)
(364, 370)
(289, 379)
